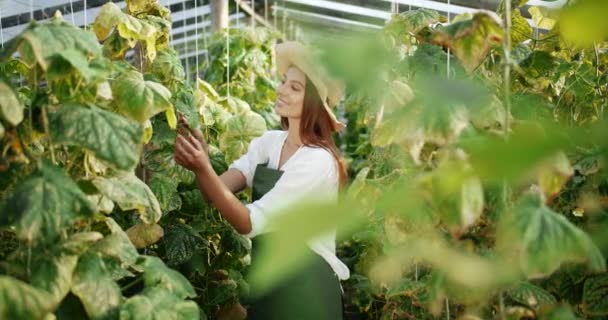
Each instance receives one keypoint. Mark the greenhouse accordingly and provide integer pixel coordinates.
(303, 159)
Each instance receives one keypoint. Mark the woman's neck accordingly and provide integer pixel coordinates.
(293, 133)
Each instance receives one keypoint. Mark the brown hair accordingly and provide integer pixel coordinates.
(316, 128)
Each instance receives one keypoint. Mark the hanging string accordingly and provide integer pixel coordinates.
(266, 10)
(1, 31)
(228, 57)
(447, 301)
(238, 21)
(253, 14)
(85, 14)
(196, 36)
(274, 13)
(171, 30)
(72, 10)
(186, 44)
(205, 30)
(284, 17)
(31, 10)
(448, 61)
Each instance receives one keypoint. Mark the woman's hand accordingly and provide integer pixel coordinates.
(191, 150)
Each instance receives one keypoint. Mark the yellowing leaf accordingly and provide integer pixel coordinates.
(470, 40)
(584, 22)
(554, 174)
(543, 18)
(11, 108)
(143, 235)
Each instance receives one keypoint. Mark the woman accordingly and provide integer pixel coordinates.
(284, 167)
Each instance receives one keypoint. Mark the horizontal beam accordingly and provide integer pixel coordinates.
(315, 16)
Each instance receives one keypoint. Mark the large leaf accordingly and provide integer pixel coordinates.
(143, 235)
(131, 193)
(157, 274)
(240, 130)
(117, 245)
(44, 203)
(167, 67)
(63, 64)
(112, 138)
(19, 300)
(470, 40)
(530, 295)
(94, 286)
(128, 27)
(165, 189)
(158, 304)
(11, 108)
(545, 239)
(543, 17)
(409, 23)
(139, 99)
(520, 29)
(54, 275)
(42, 40)
(595, 295)
(180, 244)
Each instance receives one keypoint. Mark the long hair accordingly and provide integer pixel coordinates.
(316, 128)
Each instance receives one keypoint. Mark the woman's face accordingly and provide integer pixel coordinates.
(290, 94)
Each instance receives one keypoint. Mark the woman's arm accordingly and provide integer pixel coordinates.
(191, 153)
(234, 180)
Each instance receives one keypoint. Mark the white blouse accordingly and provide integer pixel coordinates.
(309, 173)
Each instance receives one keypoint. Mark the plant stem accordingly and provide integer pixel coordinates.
(45, 122)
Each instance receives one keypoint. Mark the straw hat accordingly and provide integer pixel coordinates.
(330, 91)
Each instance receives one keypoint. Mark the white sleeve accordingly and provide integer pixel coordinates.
(312, 178)
(256, 153)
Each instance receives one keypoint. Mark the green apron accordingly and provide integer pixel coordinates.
(313, 292)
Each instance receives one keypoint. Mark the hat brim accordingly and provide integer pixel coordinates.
(330, 91)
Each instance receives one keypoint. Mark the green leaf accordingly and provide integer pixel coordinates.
(165, 189)
(139, 99)
(54, 275)
(93, 285)
(471, 40)
(158, 304)
(530, 295)
(405, 287)
(584, 22)
(11, 108)
(157, 274)
(539, 64)
(44, 204)
(112, 138)
(545, 239)
(117, 245)
(131, 193)
(19, 300)
(240, 130)
(595, 295)
(180, 243)
(234, 105)
(167, 67)
(42, 40)
(408, 23)
(62, 63)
